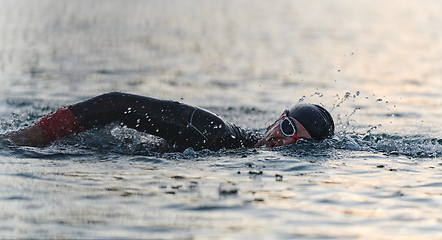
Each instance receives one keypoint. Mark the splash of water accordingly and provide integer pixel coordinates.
(342, 100)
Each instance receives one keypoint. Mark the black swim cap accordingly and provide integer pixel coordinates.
(315, 119)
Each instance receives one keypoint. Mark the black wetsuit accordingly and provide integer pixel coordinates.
(181, 125)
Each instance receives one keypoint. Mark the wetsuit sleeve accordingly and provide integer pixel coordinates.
(233, 136)
(58, 124)
(181, 125)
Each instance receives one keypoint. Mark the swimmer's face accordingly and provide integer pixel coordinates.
(275, 138)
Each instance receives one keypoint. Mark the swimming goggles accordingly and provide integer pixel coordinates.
(288, 128)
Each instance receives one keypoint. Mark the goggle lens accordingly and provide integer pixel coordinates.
(287, 127)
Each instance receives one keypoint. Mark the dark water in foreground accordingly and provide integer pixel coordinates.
(374, 64)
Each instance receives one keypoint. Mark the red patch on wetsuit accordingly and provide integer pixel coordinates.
(58, 124)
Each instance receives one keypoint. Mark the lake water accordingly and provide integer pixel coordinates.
(376, 65)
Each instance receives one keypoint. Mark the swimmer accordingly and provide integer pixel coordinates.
(181, 125)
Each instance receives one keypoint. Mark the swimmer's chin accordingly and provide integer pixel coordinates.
(273, 144)
(269, 144)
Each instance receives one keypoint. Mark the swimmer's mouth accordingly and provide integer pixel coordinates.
(274, 143)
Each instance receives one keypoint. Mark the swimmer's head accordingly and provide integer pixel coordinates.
(315, 119)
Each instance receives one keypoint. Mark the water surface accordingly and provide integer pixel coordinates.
(374, 64)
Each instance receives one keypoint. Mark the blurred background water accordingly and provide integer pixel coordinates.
(376, 65)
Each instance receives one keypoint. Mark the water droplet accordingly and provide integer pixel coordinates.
(318, 93)
(233, 136)
(157, 130)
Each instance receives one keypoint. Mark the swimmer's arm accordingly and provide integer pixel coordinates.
(47, 129)
(31, 136)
